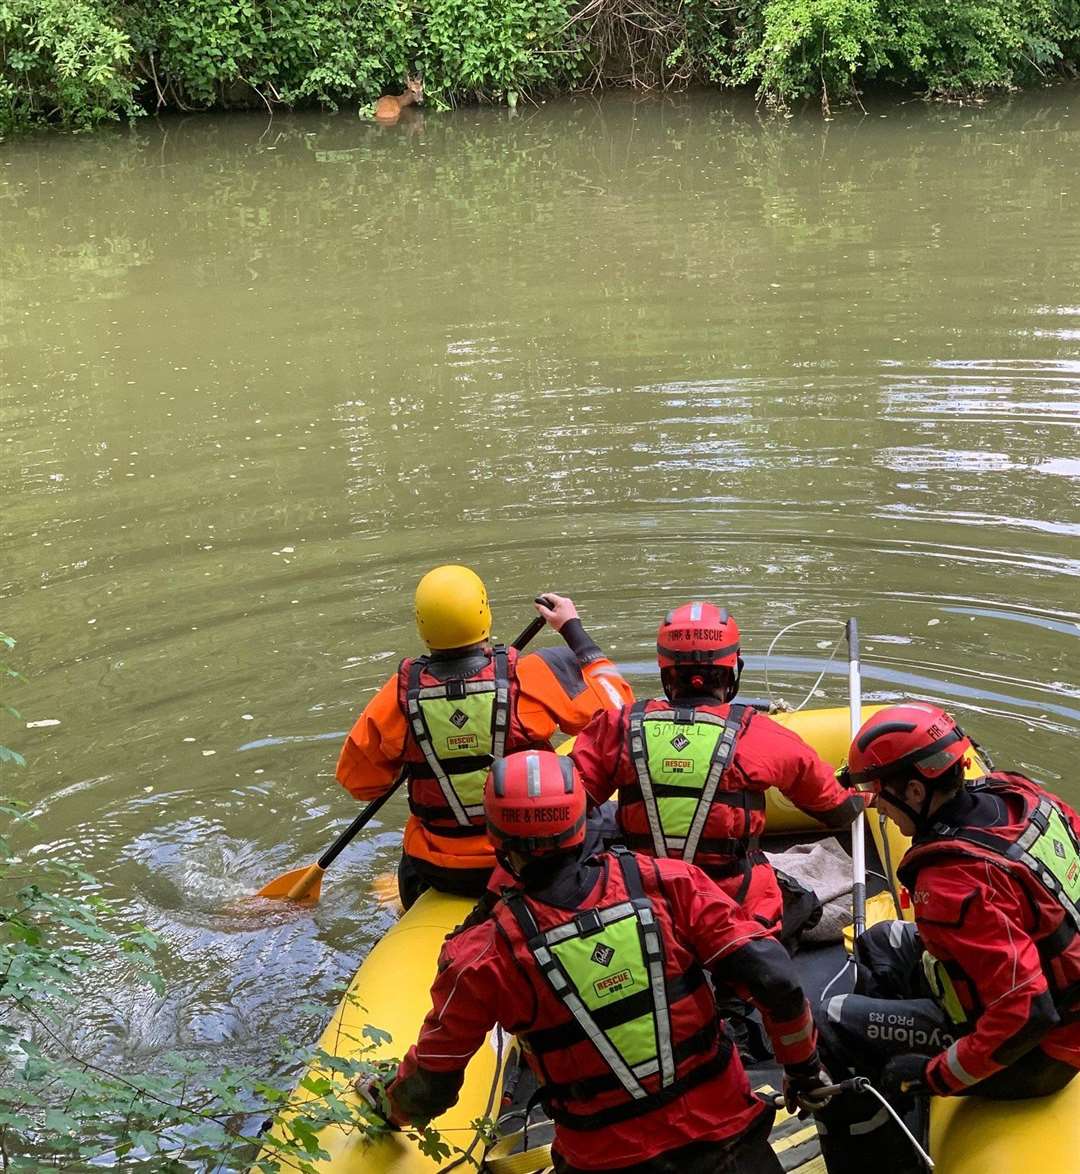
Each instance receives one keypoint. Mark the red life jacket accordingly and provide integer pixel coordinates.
(1039, 852)
(724, 832)
(456, 728)
(630, 1022)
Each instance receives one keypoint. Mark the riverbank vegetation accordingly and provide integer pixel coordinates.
(77, 63)
(66, 1103)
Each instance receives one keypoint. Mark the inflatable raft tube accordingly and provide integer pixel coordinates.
(391, 992)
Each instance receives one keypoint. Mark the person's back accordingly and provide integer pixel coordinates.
(443, 717)
(598, 965)
(691, 770)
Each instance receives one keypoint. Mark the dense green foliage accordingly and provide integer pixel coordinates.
(800, 48)
(63, 1106)
(78, 62)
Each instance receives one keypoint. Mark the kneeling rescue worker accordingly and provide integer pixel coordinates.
(982, 993)
(597, 963)
(443, 718)
(692, 769)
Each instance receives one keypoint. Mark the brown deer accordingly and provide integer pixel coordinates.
(389, 107)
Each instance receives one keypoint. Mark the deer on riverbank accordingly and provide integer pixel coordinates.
(389, 106)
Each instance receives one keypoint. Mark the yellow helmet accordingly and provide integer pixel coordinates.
(452, 608)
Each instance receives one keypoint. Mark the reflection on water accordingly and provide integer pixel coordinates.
(258, 378)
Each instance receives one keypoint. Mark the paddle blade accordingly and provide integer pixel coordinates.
(385, 888)
(302, 884)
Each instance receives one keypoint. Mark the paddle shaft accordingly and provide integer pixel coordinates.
(331, 853)
(858, 828)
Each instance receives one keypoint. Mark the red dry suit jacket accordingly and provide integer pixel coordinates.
(766, 754)
(985, 923)
(484, 980)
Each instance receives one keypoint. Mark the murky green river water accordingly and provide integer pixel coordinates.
(257, 379)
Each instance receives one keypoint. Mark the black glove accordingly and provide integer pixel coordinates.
(802, 1085)
(905, 1074)
(371, 1088)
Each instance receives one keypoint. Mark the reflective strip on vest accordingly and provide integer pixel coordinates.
(1049, 849)
(438, 717)
(701, 751)
(597, 960)
(942, 988)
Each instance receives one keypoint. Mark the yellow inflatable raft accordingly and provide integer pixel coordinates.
(391, 991)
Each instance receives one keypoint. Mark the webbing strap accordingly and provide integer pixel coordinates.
(603, 1118)
(751, 800)
(438, 692)
(703, 1040)
(562, 933)
(430, 815)
(501, 715)
(714, 846)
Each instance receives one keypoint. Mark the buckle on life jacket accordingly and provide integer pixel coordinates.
(455, 690)
(588, 923)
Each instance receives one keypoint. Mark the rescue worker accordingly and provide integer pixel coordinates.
(442, 718)
(982, 993)
(691, 771)
(597, 963)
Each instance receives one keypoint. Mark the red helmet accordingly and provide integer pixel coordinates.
(534, 803)
(898, 742)
(698, 634)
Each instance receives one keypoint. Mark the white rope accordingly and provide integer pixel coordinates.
(868, 1087)
(849, 960)
(821, 675)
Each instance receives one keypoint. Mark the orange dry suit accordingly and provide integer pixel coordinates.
(442, 719)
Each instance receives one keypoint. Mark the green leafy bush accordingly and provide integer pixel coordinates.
(490, 48)
(211, 52)
(807, 47)
(792, 49)
(79, 62)
(66, 61)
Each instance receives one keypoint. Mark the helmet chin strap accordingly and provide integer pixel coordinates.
(540, 869)
(504, 859)
(920, 818)
(668, 681)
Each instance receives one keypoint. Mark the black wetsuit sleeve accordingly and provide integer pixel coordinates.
(764, 969)
(583, 646)
(844, 815)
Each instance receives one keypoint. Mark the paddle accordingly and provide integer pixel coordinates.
(858, 828)
(305, 884)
